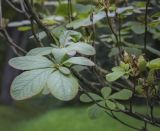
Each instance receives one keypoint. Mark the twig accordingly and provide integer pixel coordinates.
(146, 24)
(13, 44)
(38, 21)
(122, 122)
(14, 7)
(1, 22)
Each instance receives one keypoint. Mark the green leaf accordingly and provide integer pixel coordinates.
(113, 52)
(68, 35)
(110, 104)
(154, 64)
(79, 61)
(106, 91)
(114, 75)
(86, 98)
(118, 69)
(151, 76)
(124, 9)
(58, 30)
(138, 28)
(84, 9)
(132, 50)
(62, 87)
(41, 35)
(95, 111)
(79, 68)
(59, 53)
(30, 62)
(153, 50)
(82, 48)
(45, 91)
(124, 66)
(141, 63)
(124, 94)
(40, 51)
(87, 21)
(120, 106)
(29, 83)
(64, 70)
(24, 28)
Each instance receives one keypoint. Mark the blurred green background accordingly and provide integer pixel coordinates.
(60, 119)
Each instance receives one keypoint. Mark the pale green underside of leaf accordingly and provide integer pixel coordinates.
(40, 51)
(29, 83)
(45, 90)
(30, 62)
(59, 53)
(66, 36)
(64, 70)
(62, 87)
(80, 61)
(71, 50)
(82, 48)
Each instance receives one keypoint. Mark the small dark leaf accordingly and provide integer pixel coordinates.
(95, 111)
(124, 94)
(86, 98)
(106, 91)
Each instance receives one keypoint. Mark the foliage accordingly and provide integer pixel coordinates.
(52, 73)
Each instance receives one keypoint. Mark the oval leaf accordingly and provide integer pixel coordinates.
(59, 53)
(114, 76)
(40, 51)
(67, 36)
(64, 70)
(110, 104)
(124, 94)
(80, 61)
(30, 62)
(95, 111)
(154, 64)
(120, 106)
(106, 91)
(82, 48)
(29, 83)
(86, 98)
(62, 87)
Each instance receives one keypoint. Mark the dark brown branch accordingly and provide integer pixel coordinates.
(146, 24)
(38, 21)
(34, 33)
(14, 7)
(122, 122)
(12, 43)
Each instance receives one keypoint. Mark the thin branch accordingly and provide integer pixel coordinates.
(12, 43)
(84, 80)
(146, 24)
(1, 22)
(14, 7)
(34, 33)
(38, 21)
(122, 122)
(70, 12)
